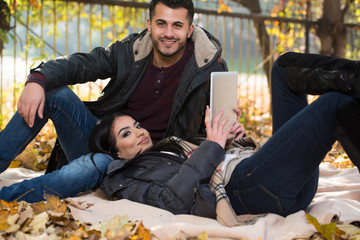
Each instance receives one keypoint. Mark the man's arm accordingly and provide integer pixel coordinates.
(79, 68)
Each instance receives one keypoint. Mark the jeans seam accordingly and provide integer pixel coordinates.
(71, 120)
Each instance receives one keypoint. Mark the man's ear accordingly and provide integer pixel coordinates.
(148, 23)
(191, 29)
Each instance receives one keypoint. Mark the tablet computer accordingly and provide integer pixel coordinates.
(223, 95)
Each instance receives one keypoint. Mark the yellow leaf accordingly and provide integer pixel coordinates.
(327, 230)
(141, 233)
(12, 207)
(203, 236)
(39, 207)
(15, 164)
(4, 214)
(55, 204)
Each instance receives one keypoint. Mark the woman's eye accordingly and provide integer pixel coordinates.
(127, 133)
(138, 126)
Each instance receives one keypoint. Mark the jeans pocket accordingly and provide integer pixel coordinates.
(255, 200)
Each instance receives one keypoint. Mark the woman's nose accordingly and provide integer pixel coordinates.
(139, 132)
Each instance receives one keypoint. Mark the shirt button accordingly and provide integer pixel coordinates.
(157, 92)
(158, 81)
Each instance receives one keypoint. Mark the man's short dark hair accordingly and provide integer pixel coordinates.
(187, 4)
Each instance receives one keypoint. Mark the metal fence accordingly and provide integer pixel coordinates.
(56, 28)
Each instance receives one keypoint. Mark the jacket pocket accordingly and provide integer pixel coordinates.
(112, 184)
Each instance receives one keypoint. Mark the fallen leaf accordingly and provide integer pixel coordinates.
(39, 222)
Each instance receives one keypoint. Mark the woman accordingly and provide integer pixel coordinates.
(163, 175)
(279, 178)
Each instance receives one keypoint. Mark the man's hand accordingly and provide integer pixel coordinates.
(31, 101)
(215, 131)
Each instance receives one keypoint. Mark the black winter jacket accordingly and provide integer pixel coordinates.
(125, 62)
(178, 185)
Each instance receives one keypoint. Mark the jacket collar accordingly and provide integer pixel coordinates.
(206, 46)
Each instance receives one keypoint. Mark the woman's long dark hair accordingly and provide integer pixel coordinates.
(101, 139)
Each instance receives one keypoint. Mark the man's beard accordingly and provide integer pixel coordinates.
(180, 47)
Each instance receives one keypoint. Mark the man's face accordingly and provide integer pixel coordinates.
(169, 30)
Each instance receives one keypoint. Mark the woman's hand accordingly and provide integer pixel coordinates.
(237, 130)
(215, 131)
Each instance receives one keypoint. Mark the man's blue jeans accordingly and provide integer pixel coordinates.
(80, 175)
(72, 120)
(282, 177)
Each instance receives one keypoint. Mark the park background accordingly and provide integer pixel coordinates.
(253, 34)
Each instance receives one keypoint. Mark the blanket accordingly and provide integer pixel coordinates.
(338, 194)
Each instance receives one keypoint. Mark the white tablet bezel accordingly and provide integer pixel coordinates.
(224, 95)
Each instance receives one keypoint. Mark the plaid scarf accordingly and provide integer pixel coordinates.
(225, 214)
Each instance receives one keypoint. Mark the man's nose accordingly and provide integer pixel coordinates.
(169, 33)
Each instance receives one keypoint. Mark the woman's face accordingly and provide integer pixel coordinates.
(131, 138)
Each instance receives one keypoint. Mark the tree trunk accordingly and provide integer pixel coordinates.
(4, 22)
(254, 7)
(331, 30)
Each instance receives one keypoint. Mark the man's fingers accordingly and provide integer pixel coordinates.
(41, 109)
(31, 116)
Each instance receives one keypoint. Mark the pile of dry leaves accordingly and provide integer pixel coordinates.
(52, 219)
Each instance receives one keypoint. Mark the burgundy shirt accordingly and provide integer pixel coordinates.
(152, 100)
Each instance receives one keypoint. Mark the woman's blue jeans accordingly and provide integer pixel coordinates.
(72, 120)
(282, 177)
(80, 175)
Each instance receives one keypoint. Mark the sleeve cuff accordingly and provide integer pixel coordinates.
(37, 78)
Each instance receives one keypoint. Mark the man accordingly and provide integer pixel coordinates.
(160, 76)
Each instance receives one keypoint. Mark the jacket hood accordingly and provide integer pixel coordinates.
(206, 46)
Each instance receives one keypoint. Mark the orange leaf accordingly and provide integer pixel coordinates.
(223, 7)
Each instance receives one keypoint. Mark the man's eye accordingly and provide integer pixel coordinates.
(138, 126)
(160, 24)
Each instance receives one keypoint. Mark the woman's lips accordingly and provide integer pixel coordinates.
(144, 140)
